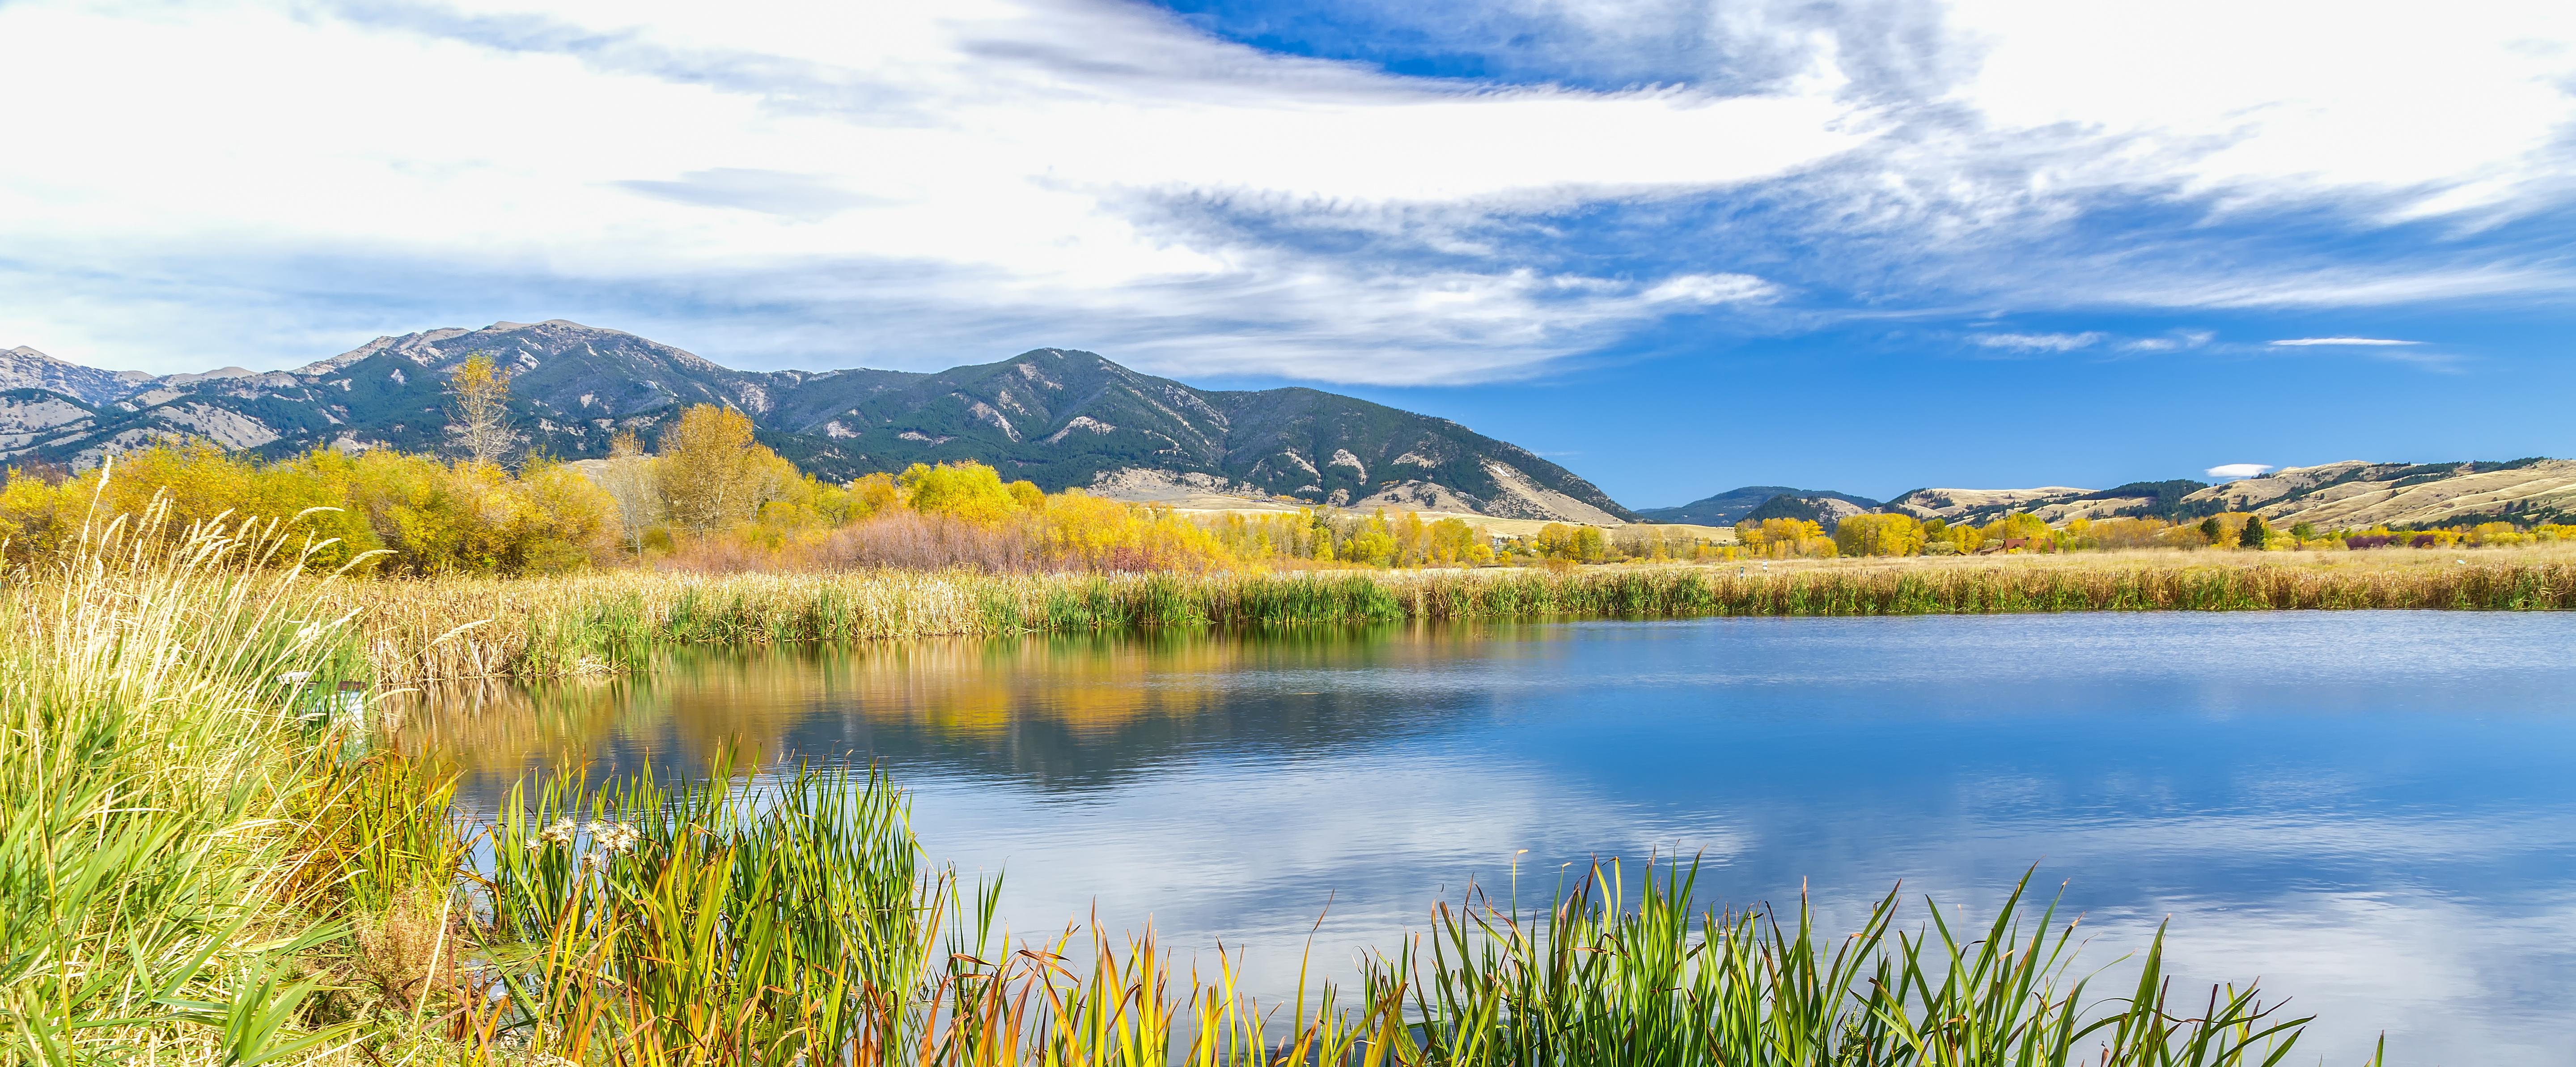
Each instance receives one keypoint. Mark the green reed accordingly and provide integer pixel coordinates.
(1596, 981)
(686, 924)
(796, 921)
(154, 780)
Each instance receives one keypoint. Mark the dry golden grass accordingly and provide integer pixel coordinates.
(415, 632)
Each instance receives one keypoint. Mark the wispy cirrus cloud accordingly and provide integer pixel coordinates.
(2342, 342)
(2177, 341)
(2037, 342)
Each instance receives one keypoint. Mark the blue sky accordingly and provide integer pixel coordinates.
(1676, 246)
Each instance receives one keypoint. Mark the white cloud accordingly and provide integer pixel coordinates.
(2237, 470)
(2037, 342)
(916, 184)
(2174, 342)
(2365, 342)
(2459, 111)
(1009, 153)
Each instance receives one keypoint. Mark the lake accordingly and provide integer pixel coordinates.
(2374, 812)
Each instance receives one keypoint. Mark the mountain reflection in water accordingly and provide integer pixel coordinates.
(2371, 811)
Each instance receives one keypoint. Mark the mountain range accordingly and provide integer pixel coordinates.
(1065, 418)
(1059, 417)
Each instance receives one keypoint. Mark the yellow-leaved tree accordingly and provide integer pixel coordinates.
(480, 391)
(967, 490)
(712, 474)
(1878, 535)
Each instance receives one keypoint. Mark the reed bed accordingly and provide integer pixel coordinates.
(161, 858)
(432, 631)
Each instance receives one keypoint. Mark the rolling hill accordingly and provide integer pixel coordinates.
(2348, 494)
(1059, 417)
(1724, 509)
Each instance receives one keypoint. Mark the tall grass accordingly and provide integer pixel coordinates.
(798, 922)
(414, 632)
(159, 866)
(1593, 981)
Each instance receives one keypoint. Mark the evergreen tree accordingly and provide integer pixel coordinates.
(2211, 531)
(2254, 533)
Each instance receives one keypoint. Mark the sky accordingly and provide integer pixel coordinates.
(1674, 246)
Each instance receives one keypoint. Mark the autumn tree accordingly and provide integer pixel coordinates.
(479, 405)
(2019, 524)
(968, 490)
(627, 476)
(1781, 538)
(713, 474)
(1452, 541)
(1581, 544)
(874, 494)
(1373, 543)
(1878, 535)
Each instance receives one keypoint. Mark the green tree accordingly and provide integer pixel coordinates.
(2254, 533)
(2211, 530)
(2305, 531)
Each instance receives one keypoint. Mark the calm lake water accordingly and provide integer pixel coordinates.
(2375, 813)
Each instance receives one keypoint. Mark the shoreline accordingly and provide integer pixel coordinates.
(407, 633)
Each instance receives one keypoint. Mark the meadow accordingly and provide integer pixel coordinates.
(199, 866)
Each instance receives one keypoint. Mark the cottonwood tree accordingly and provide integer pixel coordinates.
(479, 391)
(627, 476)
(713, 474)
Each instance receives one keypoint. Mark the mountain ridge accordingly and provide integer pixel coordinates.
(1061, 417)
(1724, 509)
(2342, 494)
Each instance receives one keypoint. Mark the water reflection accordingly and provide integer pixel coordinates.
(2371, 811)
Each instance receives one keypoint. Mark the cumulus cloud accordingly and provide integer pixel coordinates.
(2230, 471)
(2363, 342)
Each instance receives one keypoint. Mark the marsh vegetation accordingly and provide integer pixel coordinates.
(197, 871)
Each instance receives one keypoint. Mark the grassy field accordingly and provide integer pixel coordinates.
(413, 632)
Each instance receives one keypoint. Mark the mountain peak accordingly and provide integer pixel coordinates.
(24, 367)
